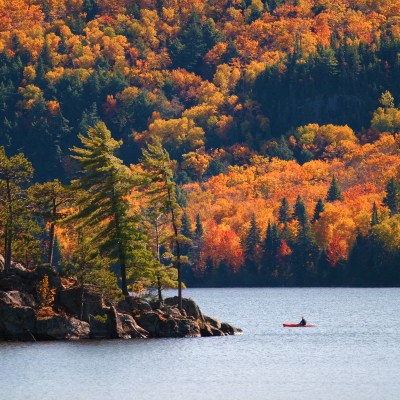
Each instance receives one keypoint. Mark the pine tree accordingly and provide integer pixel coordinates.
(15, 173)
(252, 239)
(334, 192)
(199, 227)
(304, 257)
(162, 190)
(319, 209)
(270, 246)
(90, 118)
(284, 212)
(300, 212)
(163, 275)
(231, 52)
(375, 216)
(90, 8)
(48, 200)
(105, 182)
(391, 200)
(282, 150)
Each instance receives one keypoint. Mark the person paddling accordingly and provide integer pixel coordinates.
(303, 321)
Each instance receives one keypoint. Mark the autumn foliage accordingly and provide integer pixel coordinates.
(255, 101)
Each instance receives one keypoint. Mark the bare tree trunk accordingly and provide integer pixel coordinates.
(121, 250)
(9, 229)
(178, 252)
(52, 235)
(123, 279)
(159, 288)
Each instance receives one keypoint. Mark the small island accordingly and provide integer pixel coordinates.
(83, 312)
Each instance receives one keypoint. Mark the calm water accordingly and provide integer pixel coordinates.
(352, 354)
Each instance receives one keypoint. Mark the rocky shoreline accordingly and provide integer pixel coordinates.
(80, 312)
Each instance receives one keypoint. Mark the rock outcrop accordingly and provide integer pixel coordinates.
(80, 312)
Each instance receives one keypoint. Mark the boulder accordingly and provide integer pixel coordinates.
(168, 327)
(16, 322)
(82, 302)
(213, 322)
(11, 281)
(17, 298)
(130, 328)
(133, 305)
(62, 327)
(161, 325)
(149, 321)
(173, 312)
(188, 305)
(188, 328)
(229, 329)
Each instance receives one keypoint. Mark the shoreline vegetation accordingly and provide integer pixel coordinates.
(149, 144)
(39, 305)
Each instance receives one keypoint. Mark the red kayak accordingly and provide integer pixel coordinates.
(299, 325)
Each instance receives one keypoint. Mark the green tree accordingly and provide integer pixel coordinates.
(391, 199)
(252, 239)
(319, 209)
(270, 246)
(15, 174)
(282, 150)
(300, 212)
(105, 182)
(48, 200)
(387, 100)
(162, 191)
(375, 216)
(284, 211)
(164, 276)
(334, 192)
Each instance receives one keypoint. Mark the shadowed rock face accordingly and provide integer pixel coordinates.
(80, 312)
(61, 327)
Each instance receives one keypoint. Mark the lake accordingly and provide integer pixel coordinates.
(353, 353)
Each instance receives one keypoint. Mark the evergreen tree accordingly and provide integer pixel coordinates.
(284, 211)
(391, 200)
(300, 212)
(252, 239)
(90, 118)
(15, 173)
(251, 254)
(164, 276)
(319, 209)
(48, 200)
(199, 227)
(375, 216)
(282, 150)
(190, 47)
(230, 52)
(105, 182)
(334, 192)
(162, 190)
(304, 257)
(270, 246)
(90, 8)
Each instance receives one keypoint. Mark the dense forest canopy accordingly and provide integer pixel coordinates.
(281, 119)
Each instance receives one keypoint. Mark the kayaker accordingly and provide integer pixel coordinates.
(303, 321)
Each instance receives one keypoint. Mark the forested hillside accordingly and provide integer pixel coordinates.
(279, 121)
